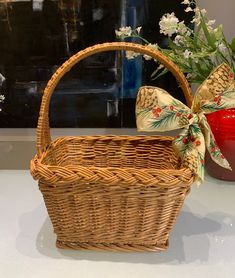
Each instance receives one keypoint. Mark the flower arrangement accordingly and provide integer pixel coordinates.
(197, 52)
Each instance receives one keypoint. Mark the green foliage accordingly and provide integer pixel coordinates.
(232, 45)
(143, 112)
(197, 52)
(165, 120)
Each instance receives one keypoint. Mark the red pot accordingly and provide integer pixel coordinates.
(222, 124)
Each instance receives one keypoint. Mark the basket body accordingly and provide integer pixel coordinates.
(118, 193)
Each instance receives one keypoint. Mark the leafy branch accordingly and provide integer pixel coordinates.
(165, 119)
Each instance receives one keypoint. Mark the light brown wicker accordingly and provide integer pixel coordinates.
(119, 193)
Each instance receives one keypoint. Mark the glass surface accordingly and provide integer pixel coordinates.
(38, 36)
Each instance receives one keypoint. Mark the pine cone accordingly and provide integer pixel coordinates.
(147, 98)
(219, 81)
(191, 161)
(183, 120)
(215, 84)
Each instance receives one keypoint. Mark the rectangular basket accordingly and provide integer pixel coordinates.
(119, 193)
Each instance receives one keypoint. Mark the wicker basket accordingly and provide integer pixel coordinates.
(119, 193)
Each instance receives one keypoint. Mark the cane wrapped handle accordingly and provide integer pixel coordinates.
(43, 128)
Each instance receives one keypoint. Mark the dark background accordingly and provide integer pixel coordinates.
(98, 92)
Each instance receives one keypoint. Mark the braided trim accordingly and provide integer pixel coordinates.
(110, 175)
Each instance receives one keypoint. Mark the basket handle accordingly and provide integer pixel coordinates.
(43, 129)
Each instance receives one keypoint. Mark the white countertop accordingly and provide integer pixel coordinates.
(202, 243)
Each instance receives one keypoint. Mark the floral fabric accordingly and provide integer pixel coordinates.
(156, 110)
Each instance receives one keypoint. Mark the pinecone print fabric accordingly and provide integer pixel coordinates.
(213, 88)
(156, 110)
(147, 97)
(161, 114)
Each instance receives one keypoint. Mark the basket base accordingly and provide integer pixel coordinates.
(112, 247)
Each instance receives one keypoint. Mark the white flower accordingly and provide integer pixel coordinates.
(2, 97)
(169, 24)
(210, 22)
(183, 30)
(210, 29)
(131, 54)
(188, 9)
(138, 29)
(181, 27)
(222, 47)
(153, 45)
(160, 66)
(188, 33)
(203, 12)
(178, 39)
(2, 79)
(218, 32)
(196, 19)
(186, 2)
(213, 57)
(187, 53)
(123, 31)
(147, 58)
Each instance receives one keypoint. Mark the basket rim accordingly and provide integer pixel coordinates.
(106, 137)
(121, 176)
(122, 136)
(110, 175)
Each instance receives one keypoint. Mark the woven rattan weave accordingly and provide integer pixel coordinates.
(119, 193)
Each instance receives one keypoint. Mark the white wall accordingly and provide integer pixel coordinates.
(223, 11)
